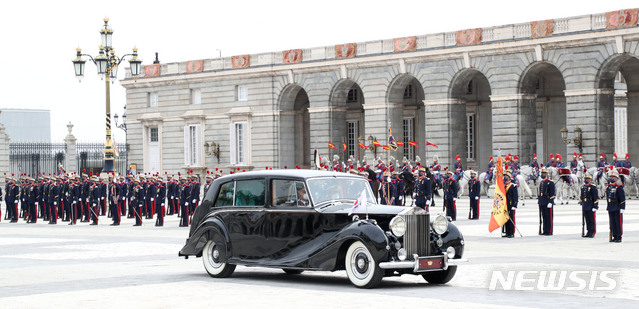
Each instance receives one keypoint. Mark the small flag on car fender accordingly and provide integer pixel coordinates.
(361, 200)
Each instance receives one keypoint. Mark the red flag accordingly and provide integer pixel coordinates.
(362, 145)
(386, 147)
(413, 143)
(429, 143)
(400, 143)
(344, 146)
(330, 145)
(376, 143)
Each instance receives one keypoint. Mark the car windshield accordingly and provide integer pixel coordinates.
(338, 189)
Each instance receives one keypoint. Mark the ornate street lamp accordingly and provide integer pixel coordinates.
(212, 149)
(107, 65)
(577, 140)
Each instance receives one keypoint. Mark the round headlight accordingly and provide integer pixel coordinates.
(440, 224)
(401, 254)
(398, 226)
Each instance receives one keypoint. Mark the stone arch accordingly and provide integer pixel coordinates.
(294, 127)
(470, 113)
(405, 97)
(618, 84)
(347, 117)
(542, 85)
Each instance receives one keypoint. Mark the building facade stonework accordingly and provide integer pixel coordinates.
(476, 92)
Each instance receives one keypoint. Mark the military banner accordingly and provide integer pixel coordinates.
(499, 214)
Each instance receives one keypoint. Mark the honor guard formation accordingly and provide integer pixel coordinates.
(86, 198)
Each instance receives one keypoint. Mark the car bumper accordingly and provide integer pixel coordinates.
(421, 264)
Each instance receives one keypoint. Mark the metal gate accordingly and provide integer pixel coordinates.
(45, 158)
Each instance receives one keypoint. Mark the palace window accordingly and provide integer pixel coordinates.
(239, 133)
(192, 145)
(153, 99)
(470, 136)
(242, 93)
(408, 92)
(196, 96)
(351, 139)
(153, 135)
(409, 135)
(352, 96)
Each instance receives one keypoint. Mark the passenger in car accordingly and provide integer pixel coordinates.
(302, 197)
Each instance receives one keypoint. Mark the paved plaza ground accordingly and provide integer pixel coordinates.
(82, 266)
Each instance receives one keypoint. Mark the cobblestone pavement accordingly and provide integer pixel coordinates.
(82, 266)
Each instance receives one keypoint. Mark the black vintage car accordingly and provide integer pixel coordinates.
(299, 220)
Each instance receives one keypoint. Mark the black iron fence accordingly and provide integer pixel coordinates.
(49, 158)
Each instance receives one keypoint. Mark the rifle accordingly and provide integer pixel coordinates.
(583, 214)
(539, 221)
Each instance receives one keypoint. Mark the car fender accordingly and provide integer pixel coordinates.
(366, 231)
(212, 228)
(453, 237)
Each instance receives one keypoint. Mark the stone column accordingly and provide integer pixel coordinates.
(632, 131)
(5, 164)
(327, 125)
(445, 122)
(593, 111)
(71, 157)
(376, 125)
(514, 121)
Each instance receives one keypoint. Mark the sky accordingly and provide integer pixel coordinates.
(40, 37)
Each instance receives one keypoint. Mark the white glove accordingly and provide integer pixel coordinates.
(594, 210)
(162, 204)
(476, 197)
(620, 210)
(102, 198)
(193, 201)
(186, 204)
(413, 195)
(94, 204)
(171, 196)
(55, 203)
(36, 203)
(454, 199)
(428, 202)
(73, 203)
(400, 198)
(87, 199)
(549, 205)
(514, 208)
(152, 199)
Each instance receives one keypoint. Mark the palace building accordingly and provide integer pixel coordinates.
(474, 92)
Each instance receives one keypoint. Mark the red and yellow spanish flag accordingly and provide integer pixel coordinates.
(400, 143)
(431, 144)
(331, 146)
(500, 211)
(412, 143)
(376, 143)
(362, 145)
(344, 146)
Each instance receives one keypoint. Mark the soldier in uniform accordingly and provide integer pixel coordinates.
(129, 195)
(33, 199)
(195, 193)
(336, 167)
(535, 168)
(512, 198)
(450, 195)
(491, 167)
(573, 163)
(184, 201)
(84, 195)
(423, 192)
(551, 163)
(161, 197)
(474, 188)
(114, 201)
(627, 164)
(55, 201)
(546, 200)
(137, 201)
(13, 195)
(385, 189)
(397, 186)
(589, 200)
(616, 206)
(95, 199)
(615, 160)
(209, 180)
(601, 165)
(458, 167)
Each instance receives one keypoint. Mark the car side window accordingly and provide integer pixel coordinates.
(225, 197)
(250, 192)
(289, 193)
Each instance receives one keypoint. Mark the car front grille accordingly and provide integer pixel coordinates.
(416, 238)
